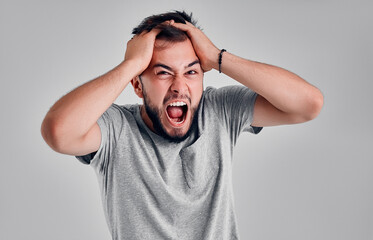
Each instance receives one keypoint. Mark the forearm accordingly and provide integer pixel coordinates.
(285, 90)
(75, 113)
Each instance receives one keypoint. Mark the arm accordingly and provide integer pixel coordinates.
(70, 126)
(284, 98)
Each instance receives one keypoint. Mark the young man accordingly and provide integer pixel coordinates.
(164, 167)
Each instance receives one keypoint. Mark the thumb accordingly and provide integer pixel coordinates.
(155, 31)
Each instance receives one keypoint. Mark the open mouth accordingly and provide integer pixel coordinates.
(176, 112)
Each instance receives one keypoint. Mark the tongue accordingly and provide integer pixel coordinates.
(175, 112)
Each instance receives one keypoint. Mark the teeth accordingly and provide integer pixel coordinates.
(177, 104)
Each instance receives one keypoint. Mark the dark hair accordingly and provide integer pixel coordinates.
(168, 32)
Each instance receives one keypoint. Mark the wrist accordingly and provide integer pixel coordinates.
(221, 58)
(214, 62)
(128, 69)
(134, 67)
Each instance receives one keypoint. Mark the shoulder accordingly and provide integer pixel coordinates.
(231, 89)
(226, 93)
(128, 108)
(119, 116)
(218, 100)
(116, 110)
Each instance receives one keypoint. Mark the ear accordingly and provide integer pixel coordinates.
(137, 86)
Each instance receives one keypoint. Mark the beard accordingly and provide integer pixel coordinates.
(154, 114)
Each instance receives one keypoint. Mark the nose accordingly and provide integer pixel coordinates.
(179, 85)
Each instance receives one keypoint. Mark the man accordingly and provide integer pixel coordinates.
(164, 167)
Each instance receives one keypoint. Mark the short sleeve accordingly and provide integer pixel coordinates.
(110, 123)
(235, 108)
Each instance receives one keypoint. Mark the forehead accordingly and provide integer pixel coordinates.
(176, 54)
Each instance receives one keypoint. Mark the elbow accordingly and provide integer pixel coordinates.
(51, 134)
(314, 105)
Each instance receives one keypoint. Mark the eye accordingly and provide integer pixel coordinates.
(192, 72)
(163, 73)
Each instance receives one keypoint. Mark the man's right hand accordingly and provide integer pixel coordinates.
(140, 49)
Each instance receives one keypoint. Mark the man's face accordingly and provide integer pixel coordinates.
(172, 87)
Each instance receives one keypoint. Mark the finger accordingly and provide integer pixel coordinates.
(165, 23)
(186, 24)
(168, 22)
(155, 31)
(189, 24)
(182, 26)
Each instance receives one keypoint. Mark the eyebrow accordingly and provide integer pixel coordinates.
(170, 69)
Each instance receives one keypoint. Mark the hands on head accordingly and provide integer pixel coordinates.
(140, 47)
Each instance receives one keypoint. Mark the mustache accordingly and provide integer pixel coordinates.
(176, 96)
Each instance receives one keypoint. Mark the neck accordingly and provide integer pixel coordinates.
(146, 118)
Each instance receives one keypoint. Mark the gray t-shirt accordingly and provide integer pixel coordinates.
(152, 188)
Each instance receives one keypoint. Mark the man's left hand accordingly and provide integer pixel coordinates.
(206, 51)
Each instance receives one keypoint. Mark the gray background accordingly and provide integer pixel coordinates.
(308, 181)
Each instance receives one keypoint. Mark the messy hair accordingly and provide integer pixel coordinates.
(168, 32)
